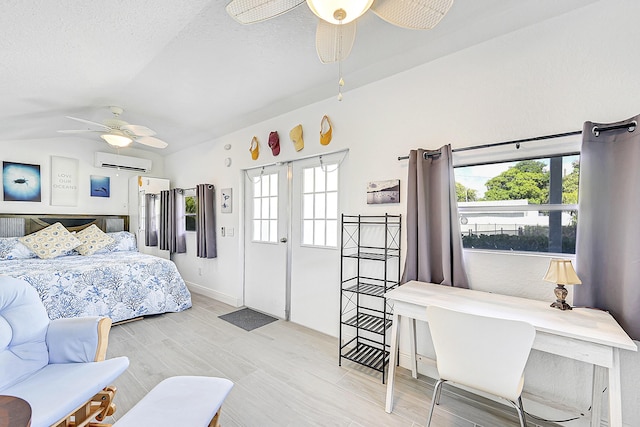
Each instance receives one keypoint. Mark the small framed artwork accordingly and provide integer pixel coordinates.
(383, 192)
(226, 200)
(21, 182)
(100, 186)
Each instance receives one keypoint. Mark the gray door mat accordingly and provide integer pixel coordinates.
(247, 319)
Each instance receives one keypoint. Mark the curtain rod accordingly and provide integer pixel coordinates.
(595, 130)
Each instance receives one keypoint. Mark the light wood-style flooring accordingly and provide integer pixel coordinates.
(284, 375)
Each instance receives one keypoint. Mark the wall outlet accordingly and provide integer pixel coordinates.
(230, 231)
(222, 231)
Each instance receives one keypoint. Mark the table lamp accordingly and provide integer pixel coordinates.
(561, 273)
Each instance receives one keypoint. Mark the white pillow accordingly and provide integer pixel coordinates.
(51, 242)
(93, 239)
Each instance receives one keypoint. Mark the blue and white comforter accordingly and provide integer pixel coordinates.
(120, 285)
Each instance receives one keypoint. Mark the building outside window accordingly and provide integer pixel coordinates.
(523, 205)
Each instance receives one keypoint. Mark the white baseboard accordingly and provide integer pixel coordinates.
(227, 299)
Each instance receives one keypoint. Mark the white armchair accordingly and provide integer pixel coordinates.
(57, 366)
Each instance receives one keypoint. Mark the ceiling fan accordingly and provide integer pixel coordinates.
(118, 133)
(336, 30)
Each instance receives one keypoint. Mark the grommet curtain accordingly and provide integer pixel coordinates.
(434, 242)
(172, 222)
(607, 246)
(206, 221)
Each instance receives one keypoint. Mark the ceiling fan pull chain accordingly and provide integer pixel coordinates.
(340, 79)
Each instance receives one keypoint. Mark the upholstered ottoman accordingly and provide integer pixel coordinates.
(180, 401)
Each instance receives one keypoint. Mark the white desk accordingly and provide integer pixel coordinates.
(591, 336)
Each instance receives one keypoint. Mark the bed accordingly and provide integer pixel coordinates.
(116, 281)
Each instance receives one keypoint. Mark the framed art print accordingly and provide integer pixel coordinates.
(383, 192)
(100, 186)
(21, 182)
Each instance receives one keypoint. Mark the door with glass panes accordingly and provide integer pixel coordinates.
(292, 258)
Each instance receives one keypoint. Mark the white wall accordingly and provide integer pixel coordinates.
(39, 152)
(544, 79)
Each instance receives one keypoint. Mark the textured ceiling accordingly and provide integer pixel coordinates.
(188, 71)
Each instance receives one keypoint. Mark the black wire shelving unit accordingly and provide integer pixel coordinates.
(369, 268)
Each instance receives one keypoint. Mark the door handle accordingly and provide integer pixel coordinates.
(283, 240)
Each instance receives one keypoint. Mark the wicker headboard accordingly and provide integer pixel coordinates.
(17, 225)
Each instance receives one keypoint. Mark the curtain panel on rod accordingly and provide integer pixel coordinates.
(172, 222)
(151, 220)
(607, 246)
(206, 221)
(434, 242)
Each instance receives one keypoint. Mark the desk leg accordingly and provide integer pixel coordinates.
(412, 340)
(615, 391)
(599, 378)
(393, 355)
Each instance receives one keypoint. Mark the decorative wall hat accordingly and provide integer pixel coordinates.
(254, 148)
(325, 130)
(274, 142)
(296, 136)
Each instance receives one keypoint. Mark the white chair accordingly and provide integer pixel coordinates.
(484, 353)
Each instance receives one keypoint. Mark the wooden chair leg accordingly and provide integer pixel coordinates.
(99, 407)
(215, 422)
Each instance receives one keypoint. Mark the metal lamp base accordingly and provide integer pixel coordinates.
(561, 294)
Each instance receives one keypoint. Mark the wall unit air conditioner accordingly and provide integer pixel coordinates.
(117, 161)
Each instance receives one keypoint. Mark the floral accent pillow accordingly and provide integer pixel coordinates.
(51, 242)
(122, 241)
(12, 248)
(93, 239)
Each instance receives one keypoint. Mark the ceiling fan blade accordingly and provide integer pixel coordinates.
(151, 141)
(89, 122)
(412, 14)
(78, 131)
(138, 130)
(252, 11)
(334, 42)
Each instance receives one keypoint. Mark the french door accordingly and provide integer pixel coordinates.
(292, 258)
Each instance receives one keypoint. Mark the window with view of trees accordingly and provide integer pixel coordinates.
(526, 205)
(190, 210)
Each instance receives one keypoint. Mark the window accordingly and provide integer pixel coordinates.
(524, 205)
(320, 205)
(190, 209)
(265, 208)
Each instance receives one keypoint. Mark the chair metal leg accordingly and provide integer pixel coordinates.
(435, 399)
(521, 414)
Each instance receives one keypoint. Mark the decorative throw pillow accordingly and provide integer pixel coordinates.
(123, 241)
(93, 239)
(51, 242)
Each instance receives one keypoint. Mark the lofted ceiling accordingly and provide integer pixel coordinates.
(191, 73)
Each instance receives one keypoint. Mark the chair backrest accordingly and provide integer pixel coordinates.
(23, 330)
(485, 353)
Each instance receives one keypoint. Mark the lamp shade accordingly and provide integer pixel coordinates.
(561, 272)
(339, 11)
(116, 138)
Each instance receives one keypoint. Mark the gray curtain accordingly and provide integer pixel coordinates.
(434, 242)
(206, 220)
(608, 246)
(151, 220)
(172, 223)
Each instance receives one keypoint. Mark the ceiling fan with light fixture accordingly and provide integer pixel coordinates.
(336, 30)
(118, 133)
